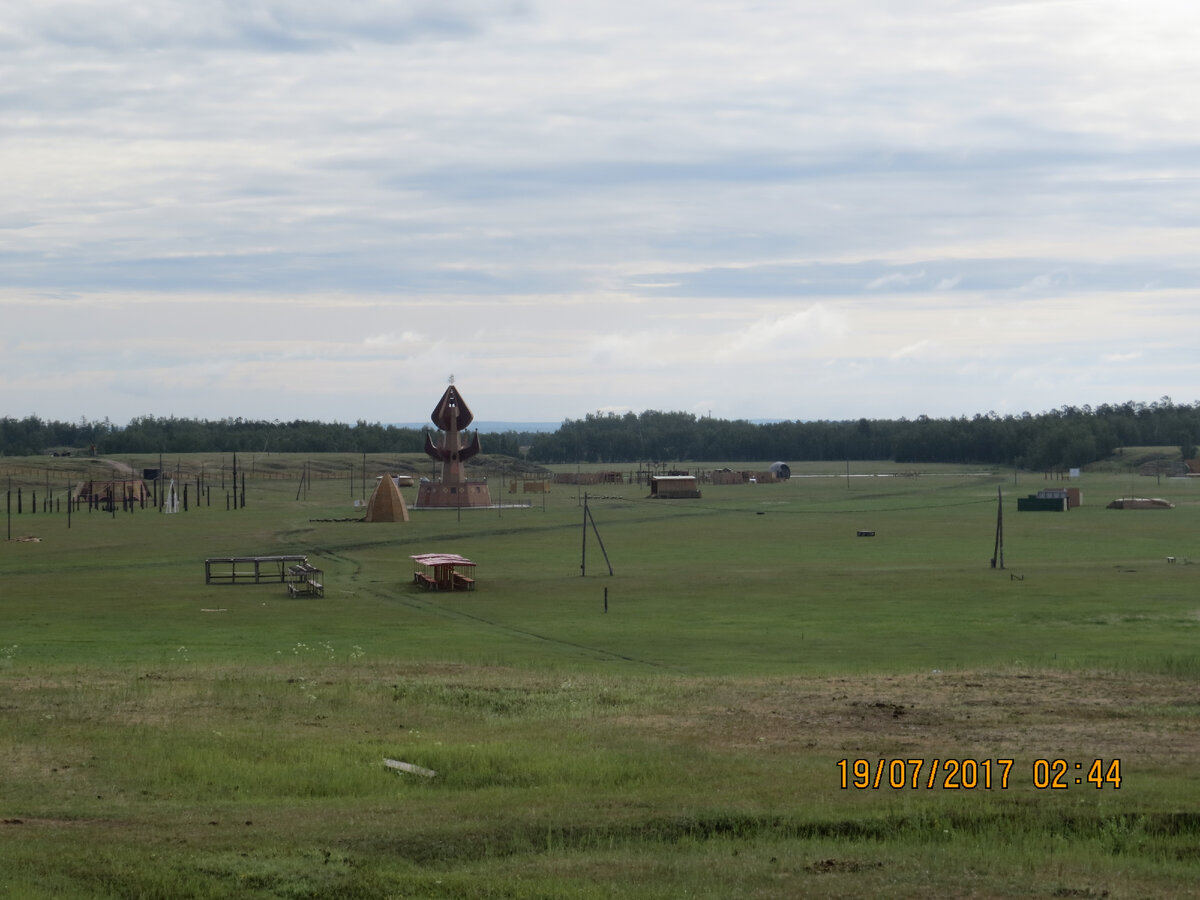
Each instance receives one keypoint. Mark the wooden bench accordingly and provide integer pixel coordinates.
(425, 581)
(303, 581)
(249, 569)
(463, 581)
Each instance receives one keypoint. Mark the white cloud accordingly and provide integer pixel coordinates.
(897, 279)
(392, 339)
(786, 335)
(919, 350)
(637, 350)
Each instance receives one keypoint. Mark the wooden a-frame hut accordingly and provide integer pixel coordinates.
(387, 503)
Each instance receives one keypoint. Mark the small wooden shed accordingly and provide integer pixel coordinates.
(674, 487)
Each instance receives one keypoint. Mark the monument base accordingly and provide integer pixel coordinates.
(433, 495)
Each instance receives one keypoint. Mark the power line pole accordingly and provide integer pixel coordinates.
(998, 553)
(587, 516)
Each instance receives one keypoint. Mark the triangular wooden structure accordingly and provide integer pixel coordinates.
(387, 503)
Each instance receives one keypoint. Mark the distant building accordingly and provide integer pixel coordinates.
(674, 487)
(1051, 500)
(1141, 503)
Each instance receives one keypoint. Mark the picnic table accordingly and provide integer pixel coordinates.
(439, 572)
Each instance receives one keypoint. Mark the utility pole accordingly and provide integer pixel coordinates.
(998, 553)
(587, 516)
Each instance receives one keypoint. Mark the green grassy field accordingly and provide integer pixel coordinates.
(160, 737)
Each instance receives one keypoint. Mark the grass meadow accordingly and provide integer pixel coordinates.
(164, 738)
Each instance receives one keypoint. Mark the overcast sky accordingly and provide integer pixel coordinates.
(281, 209)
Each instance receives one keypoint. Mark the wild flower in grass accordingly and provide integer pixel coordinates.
(300, 648)
(181, 654)
(7, 654)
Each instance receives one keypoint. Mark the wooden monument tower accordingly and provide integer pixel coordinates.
(452, 416)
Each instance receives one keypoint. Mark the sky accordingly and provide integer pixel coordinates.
(300, 209)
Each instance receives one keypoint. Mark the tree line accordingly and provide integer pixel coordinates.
(1068, 436)
(1060, 438)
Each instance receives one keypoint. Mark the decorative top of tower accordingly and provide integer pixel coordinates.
(452, 412)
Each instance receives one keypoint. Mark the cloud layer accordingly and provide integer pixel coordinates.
(282, 208)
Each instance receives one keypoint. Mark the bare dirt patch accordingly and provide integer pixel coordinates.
(841, 865)
(980, 714)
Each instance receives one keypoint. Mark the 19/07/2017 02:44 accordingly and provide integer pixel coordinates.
(954, 773)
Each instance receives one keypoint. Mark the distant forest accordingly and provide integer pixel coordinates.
(1070, 436)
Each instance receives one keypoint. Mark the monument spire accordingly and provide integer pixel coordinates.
(452, 416)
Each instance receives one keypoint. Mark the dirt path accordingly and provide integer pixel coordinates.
(123, 469)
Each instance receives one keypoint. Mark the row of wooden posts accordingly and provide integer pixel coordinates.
(109, 504)
(127, 502)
